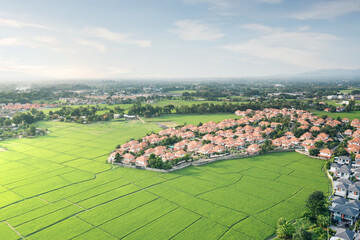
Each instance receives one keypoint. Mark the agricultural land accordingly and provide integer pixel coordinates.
(61, 181)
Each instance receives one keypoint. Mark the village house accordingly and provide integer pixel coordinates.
(357, 162)
(341, 187)
(322, 137)
(348, 132)
(314, 129)
(343, 172)
(345, 120)
(295, 141)
(308, 142)
(149, 151)
(334, 167)
(168, 156)
(307, 148)
(342, 160)
(180, 145)
(142, 161)
(353, 191)
(253, 149)
(353, 148)
(193, 146)
(206, 149)
(128, 158)
(326, 153)
(355, 141)
(347, 213)
(159, 150)
(355, 123)
(305, 136)
(180, 154)
(345, 234)
(218, 149)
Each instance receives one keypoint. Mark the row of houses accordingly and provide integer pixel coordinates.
(26, 106)
(237, 135)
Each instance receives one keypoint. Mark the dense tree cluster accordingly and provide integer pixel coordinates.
(83, 114)
(154, 111)
(22, 123)
(157, 162)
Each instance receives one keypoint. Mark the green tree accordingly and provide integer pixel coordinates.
(316, 204)
(301, 234)
(31, 131)
(340, 151)
(284, 229)
(118, 158)
(7, 122)
(319, 144)
(322, 221)
(314, 152)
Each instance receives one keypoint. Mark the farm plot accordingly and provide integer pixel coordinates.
(59, 187)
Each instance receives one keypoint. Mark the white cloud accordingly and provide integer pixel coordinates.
(119, 38)
(329, 9)
(229, 3)
(14, 41)
(304, 28)
(36, 42)
(46, 39)
(261, 28)
(191, 30)
(302, 49)
(270, 1)
(218, 3)
(98, 46)
(19, 24)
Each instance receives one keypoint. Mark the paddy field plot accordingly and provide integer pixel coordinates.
(58, 186)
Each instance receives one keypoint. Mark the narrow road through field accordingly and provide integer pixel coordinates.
(141, 120)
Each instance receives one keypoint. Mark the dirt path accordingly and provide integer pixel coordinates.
(141, 120)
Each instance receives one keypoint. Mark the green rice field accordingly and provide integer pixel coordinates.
(58, 186)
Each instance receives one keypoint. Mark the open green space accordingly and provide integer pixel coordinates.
(191, 118)
(58, 186)
(160, 103)
(349, 115)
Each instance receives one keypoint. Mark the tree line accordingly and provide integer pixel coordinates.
(148, 110)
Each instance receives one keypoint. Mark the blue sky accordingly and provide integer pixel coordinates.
(115, 39)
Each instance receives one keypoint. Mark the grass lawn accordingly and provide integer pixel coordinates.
(191, 118)
(58, 186)
(350, 115)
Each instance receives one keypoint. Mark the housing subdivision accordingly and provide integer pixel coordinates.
(254, 132)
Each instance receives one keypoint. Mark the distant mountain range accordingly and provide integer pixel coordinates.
(332, 73)
(322, 74)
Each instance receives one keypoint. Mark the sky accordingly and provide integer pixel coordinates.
(124, 39)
